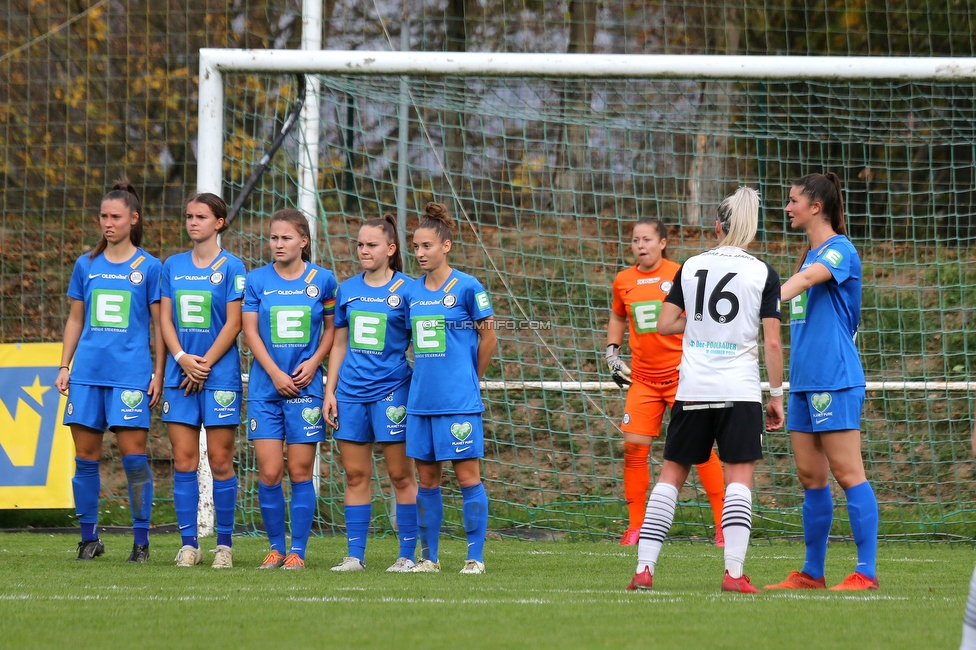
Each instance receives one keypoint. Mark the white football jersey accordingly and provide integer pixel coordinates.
(725, 293)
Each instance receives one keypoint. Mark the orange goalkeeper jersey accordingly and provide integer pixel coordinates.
(638, 297)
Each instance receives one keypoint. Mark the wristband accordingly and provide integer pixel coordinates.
(776, 392)
(64, 368)
(176, 357)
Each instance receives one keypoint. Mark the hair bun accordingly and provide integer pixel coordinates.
(436, 211)
(123, 184)
(390, 219)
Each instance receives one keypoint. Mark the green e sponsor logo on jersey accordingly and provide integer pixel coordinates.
(429, 334)
(110, 308)
(645, 315)
(798, 307)
(291, 324)
(481, 299)
(367, 330)
(193, 309)
(239, 283)
(833, 257)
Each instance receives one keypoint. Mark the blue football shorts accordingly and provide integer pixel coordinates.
(825, 411)
(296, 421)
(103, 407)
(445, 437)
(381, 421)
(211, 408)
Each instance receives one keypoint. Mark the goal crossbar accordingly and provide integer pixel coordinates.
(214, 62)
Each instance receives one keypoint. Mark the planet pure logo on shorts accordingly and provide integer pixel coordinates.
(821, 401)
(461, 430)
(132, 398)
(833, 257)
(312, 415)
(396, 413)
(165, 407)
(626, 418)
(225, 397)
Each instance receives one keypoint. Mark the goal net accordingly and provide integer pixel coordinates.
(547, 161)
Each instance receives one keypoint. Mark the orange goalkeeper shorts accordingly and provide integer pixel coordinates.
(644, 409)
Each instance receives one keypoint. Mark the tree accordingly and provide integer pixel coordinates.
(572, 164)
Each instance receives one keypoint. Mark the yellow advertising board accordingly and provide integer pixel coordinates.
(36, 451)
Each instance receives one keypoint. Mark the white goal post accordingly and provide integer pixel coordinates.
(215, 62)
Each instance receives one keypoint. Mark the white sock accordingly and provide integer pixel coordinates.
(657, 522)
(736, 526)
(969, 622)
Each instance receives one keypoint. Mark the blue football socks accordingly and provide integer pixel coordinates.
(225, 508)
(140, 494)
(430, 515)
(818, 513)
(475, 519)
(272, 502)
(186, 500)
(357, 529)
(86, 486)
(862, 508)
(406, 515)
(302, 513)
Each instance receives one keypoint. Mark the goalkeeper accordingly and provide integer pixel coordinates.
(638, 293)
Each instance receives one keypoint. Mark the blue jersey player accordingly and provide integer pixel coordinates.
(453, 335)
(827, 383)
(202, 291)
(287, 316)
(366, 390)
(114, 297)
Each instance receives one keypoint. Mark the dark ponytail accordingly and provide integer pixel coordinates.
(388, 225)
(824, 189)
(297, 219)
(658, 225)
(436, 218)
(123, 191)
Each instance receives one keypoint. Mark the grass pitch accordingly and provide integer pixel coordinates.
(568, 595)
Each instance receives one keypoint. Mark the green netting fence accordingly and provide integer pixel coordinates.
(93, 89)
(546, 177)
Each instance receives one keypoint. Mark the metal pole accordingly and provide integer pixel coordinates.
(308, 158)
(210, 150)
(403, 154)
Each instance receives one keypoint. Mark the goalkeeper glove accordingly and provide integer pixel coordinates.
(618, 369)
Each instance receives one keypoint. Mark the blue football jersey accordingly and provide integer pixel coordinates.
(379, 333)
(445, 346)
(290, 315)
(114, 349)
(824, 321)
(200, 297)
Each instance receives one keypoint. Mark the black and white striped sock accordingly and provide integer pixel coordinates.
(736, 526)
(969, 622)
(657, 523)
